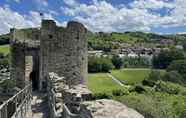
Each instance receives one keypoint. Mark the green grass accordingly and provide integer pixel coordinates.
(101, 83)
(4, 49)
(131, 76)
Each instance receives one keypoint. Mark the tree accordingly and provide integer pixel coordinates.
(117, 61)
(96, 64)
(184, 46)
(179, 66)
(164, 58)
(106, 65)
(174, 77)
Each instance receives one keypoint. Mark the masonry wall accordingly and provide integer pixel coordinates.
(17, 65)
(64, 51)
(22, 43)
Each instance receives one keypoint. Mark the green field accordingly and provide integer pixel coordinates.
(131, 76)
(101, 83)
(4, 49)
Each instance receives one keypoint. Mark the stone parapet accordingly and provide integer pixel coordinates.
(65, 101)
(54, 93)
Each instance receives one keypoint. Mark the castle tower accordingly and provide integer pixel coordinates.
(63, 51)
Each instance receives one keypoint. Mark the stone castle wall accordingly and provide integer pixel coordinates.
(64, 51)
(54, 49)
(21, 45)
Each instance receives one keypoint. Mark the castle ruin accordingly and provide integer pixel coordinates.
(59, 57)
(53, 49)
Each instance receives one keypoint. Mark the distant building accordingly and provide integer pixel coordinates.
(97, 53)
(180, 47)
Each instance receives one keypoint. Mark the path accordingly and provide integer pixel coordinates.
(115, 79)
(39, 105)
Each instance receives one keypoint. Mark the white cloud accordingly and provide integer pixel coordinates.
(10, 19)
(71, 3)
(151, 4)
(103, 16)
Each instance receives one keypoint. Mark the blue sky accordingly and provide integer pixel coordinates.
(160, 16)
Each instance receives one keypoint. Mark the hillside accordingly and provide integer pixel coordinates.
(108, 41)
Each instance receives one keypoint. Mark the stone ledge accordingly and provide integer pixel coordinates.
(107, 109)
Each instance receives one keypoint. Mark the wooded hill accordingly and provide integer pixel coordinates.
(101, 38)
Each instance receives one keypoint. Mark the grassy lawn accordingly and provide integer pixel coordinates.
(4, 49)
(131, 76)
(101, 83)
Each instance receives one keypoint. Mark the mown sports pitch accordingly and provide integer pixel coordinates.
(101, 83)
(132, 76)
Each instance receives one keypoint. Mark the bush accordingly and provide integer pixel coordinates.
(138, 89)
(120, 92)
(148, 83)
(179, 66)
(173, 76)
(169, 88)
(96, 64)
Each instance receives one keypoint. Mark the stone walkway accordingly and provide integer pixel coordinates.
(39, 106)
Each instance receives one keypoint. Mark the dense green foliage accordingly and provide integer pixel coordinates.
(108, 41)
(171, 76)
(170, 88)
(4, 39)
(154, 75)
(96, 64)
(156, 104)
(117, 61)
(184, 45)
(165, 57)
(174, 77)
(179, 66)
(138, 62)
